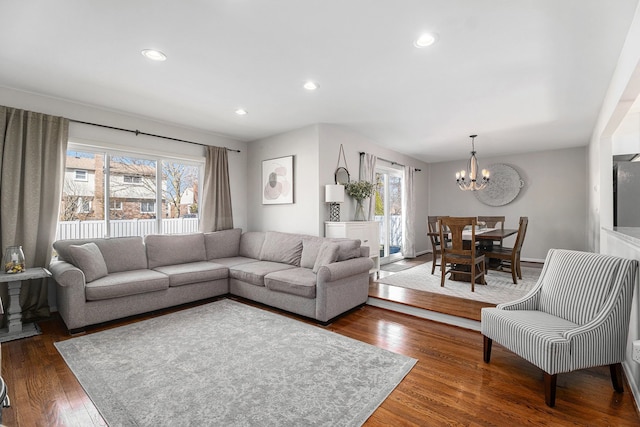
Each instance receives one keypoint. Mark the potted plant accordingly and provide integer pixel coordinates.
(360, 190)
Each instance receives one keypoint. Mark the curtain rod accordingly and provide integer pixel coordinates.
(137, 132)
(392, 162)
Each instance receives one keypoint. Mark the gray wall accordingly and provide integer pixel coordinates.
(553, 197)
(303, 215)
(316, 149)
(331, 136)
(623, 90)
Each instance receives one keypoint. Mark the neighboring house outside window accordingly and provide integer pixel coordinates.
(132, 179)
(80, 175)
(116, 194)
(148, 207)
(84, 205)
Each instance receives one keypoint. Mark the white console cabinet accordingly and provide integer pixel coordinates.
(368, 232)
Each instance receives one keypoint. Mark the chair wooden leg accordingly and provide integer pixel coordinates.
(487, 348)
(519, 269)
(616, 377)
(443, 271)
(473, 277)
(484, 272)
(433, 266)
(550, 389)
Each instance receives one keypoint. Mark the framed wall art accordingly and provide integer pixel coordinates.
(277, 181)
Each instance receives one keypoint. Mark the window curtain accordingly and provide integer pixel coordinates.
(409, 214)
(32, 155)
(368, 173)
(216, 211)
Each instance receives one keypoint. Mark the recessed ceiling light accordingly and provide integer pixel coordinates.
(311, 85)
(241, 112)
(154, 55)
(425, 40)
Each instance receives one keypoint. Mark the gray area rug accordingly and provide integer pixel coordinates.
(229, 364)
(394, 267)
(499, 288)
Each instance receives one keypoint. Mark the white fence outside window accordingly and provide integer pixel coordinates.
(120, 228)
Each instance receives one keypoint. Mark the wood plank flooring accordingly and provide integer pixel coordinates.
(449, 386)
(468, 309)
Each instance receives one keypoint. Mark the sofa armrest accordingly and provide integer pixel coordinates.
(340, 270)
(526, 302)
(66, 274)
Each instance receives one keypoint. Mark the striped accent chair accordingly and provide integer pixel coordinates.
(575, 317)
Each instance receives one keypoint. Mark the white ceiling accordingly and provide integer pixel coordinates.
(524, 75)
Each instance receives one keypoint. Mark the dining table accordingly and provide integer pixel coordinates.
(485, 234)
(485, 239)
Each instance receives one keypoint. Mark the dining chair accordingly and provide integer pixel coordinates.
(493, 222)
(509, 257)
(434, 236)
(575, 317)
(460, 257)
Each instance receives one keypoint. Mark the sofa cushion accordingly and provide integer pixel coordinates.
(327, 254)
(89, 259)
(348, 249)
(172, 249)
(282, 247)
(193, 272)
(222, 244)
(231, 261)
(254, 272)
(126, 283)
(251, 244)
(119, 253)
(296, 281)
(310, 247)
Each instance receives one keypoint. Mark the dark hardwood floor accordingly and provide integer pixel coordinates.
(449, 386)
(468, 309)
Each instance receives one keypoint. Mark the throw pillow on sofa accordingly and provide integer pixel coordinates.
(348, 249)
(89, 259)
(310, 249)
(327, 254)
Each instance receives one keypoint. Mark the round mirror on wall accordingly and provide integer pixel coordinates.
(505, 184)
(342, 176)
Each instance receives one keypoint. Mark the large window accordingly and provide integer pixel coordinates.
(114, 194)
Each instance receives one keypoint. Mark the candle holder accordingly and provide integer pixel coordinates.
(14, 260)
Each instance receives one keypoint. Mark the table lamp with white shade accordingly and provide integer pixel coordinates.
(334, 195)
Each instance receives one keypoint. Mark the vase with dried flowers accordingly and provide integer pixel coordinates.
(360, 190)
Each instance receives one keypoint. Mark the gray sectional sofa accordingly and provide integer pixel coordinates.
(99, 280)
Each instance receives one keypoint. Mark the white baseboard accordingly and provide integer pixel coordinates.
(633, 385)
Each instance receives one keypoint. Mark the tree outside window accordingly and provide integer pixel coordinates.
(131, 194)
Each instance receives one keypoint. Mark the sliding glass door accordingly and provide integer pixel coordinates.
(389, 212)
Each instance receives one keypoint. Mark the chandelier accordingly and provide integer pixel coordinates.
(472, 183)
